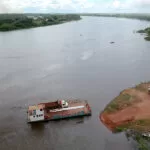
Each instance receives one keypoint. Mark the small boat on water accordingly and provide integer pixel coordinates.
(59, 109)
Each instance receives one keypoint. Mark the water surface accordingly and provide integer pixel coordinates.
(69, 61)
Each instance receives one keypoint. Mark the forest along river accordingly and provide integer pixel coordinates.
(71, 60)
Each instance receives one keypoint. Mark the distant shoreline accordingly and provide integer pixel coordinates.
(144, 17)
(10, 22)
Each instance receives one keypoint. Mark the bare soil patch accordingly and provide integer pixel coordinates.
(131, 109)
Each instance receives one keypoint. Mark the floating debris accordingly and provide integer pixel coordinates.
(112, 42)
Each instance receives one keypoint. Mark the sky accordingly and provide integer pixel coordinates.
(74, 6)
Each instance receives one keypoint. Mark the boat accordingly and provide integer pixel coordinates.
(57, 110)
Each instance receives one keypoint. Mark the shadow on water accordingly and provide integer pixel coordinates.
(39, 127)
(71, 121)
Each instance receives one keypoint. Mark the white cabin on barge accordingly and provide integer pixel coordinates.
(36, 113)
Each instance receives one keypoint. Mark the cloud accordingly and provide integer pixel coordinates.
(141, 3)
(18, 5)
(4, 8)
(138, 6)
(9, 6)
(116, 4)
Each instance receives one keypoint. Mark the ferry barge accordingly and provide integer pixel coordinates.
(57, 110)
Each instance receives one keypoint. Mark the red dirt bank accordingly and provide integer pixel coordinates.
(138, 109)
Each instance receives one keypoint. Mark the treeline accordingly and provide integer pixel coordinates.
(143, 16)
(10, 22)
(147, 32)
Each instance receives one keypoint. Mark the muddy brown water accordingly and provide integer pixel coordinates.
(54, 62)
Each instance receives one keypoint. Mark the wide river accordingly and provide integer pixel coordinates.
(74, 60)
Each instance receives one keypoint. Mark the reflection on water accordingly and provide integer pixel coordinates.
(87, 55)
(111, 145)
(72, 121)
(39, 127)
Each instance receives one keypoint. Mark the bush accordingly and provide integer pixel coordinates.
(7, 27)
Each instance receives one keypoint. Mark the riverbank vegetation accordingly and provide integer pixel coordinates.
(10, 22)
(142, 142)
(147, 32)
(120, 102)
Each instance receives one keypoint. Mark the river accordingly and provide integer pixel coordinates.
(74, 60)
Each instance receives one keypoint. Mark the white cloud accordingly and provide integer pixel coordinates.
(4, 8)
(116, 4)
(9, 6)
(17, 5)
(143, 2)
(129, 6)
(138, 5)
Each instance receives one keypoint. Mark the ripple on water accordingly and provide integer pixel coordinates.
(87, 55)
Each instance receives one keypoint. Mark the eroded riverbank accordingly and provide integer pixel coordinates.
(129, 110)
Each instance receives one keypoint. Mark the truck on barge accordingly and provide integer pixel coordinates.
(57, 110)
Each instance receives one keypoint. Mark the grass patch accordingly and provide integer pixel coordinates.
(120, 102)
(124, 99)
(138, 125)
(142, 86)
(120, 129)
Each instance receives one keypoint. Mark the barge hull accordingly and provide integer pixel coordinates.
(75, 108)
